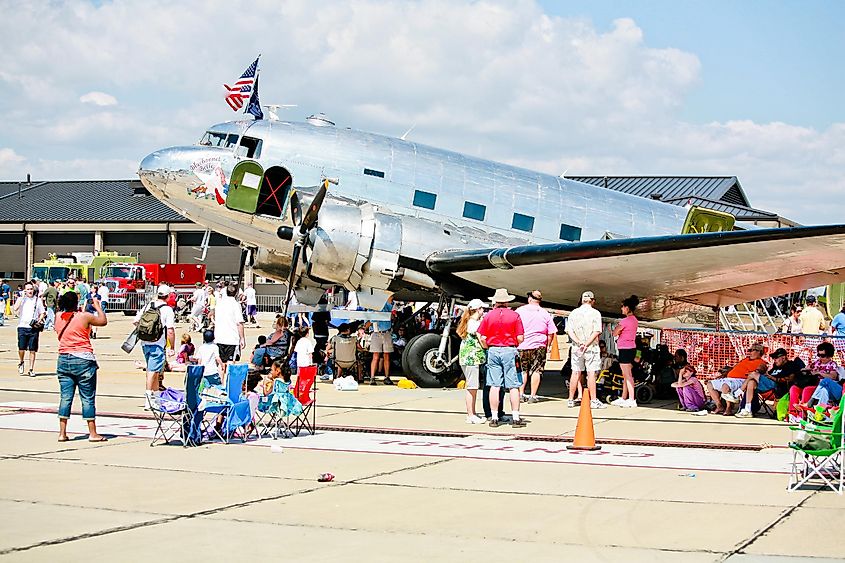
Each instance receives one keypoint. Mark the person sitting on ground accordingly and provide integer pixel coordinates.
(184, 355)
(259, 353)
(679, 361)
(831, 374)
(726, 387)
(606, 358)
(208, 356)
(690, 391)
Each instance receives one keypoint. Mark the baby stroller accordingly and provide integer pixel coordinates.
(182, 310)
(345, 355)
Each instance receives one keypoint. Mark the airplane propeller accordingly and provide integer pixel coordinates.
(306, 223)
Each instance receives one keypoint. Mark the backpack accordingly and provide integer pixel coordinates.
(150, 328)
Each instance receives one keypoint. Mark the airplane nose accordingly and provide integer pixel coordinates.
(151, 162)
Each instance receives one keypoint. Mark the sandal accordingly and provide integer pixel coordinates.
(100, 439)
(388, 381)
(65, 439)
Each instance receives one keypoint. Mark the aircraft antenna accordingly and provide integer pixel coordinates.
(273, 109)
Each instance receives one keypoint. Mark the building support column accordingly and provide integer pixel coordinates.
(98, 241)
(172, 248)
(29, 244)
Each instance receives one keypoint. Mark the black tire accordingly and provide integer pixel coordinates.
(644, 394)
(416, 368)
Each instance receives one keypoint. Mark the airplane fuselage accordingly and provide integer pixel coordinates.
(396, 201)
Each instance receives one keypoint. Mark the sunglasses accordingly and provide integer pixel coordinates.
(822, 355)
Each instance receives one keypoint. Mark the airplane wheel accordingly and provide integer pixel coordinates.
(420, 364)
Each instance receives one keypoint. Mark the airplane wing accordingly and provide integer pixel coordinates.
(671, 274)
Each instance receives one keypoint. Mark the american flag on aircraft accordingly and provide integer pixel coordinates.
(242, 89)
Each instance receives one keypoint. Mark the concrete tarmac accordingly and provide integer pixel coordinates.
(413, 481)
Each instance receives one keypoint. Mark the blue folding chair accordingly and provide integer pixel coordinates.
(192, 422)
(235, 378)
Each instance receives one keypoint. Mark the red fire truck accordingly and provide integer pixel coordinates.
(130, 284)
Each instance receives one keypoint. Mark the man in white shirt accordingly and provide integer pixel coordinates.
(229, 325)
(584, 328)
(155, 351)
(103, 292)
(251, 302)
(198, 301)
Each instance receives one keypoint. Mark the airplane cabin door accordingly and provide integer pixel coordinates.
(274, 192)
(245, 186)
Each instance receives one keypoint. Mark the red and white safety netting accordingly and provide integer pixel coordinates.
(708, 351)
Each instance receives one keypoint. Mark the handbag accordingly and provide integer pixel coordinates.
(36, 325)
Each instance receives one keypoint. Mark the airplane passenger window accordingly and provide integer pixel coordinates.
(474, 211)
(371, 172)
(424, 199)
(568, 232)
(250, 147)
(522, 222)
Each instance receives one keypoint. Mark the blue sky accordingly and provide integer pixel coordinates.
(688, 88)
(770, 60)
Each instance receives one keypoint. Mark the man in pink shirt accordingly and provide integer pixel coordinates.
(539, 331)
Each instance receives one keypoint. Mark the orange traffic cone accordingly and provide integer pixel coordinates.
(554, 355)
(585, 437)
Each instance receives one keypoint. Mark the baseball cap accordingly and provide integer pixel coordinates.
(587, 295)
(475, 304)
(811, 299)
(757, 347)
(779, 353)
(163, 289)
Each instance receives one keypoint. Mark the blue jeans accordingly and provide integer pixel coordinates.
(75, 372)
(828, 391)
(50, 321)
(501, 367)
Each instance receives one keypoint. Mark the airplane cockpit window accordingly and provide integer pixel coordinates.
(250, 147)
(216, 139)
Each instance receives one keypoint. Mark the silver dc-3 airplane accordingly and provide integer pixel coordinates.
(381, 215)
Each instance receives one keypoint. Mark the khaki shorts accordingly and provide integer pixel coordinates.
(471, 373)
(381, 342)
(590, 360)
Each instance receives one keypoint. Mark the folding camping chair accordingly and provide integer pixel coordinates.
(275, 410)
(192, 422)
(229, 406)
(171, 407)
(818, 452)
(345, 355)
(305, 391)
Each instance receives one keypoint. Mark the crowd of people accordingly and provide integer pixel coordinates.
(503, 351)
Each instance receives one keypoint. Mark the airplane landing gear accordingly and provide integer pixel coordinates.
(431, 360)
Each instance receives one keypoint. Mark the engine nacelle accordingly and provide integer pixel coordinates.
(354, 246)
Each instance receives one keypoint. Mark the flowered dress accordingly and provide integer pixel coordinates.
(471, 352)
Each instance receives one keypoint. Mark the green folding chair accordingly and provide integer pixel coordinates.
(818, 453)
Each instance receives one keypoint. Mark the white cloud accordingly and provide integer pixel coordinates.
(9, 158)
(501, 80)
(98, 99)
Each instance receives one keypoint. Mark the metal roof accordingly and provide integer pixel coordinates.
(86, 201)
(726, 189)
(741, 212)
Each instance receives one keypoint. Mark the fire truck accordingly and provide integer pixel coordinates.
(130, 285)
(90, 265)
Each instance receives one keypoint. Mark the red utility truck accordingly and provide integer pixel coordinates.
(129, 284)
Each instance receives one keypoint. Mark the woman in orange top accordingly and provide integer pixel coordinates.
(77, 366)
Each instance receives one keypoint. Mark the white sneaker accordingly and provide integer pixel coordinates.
(474, 419)
(618, 402)
(729, 398)
(744, 414)
(570, 403)
(596, 404)
(20, 368)
(629, 404)
(702, 412)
